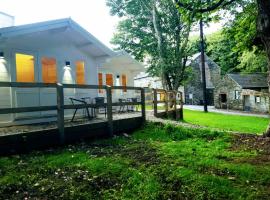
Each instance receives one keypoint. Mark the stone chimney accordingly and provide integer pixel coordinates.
(6, 20)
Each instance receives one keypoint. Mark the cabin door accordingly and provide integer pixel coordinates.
(223, 101)
(247, 105)
(25, 71)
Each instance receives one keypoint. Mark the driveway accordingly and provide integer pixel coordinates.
(229, 112)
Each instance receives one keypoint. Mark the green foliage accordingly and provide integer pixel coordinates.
(155, 32)
(253, 61)
(233, 47)
(156, 162)
(246, 124)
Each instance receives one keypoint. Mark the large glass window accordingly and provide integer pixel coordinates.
(49, 70)
(25, 68)
(109, 79)
(100, 82)
(124, 82)
(80, 72)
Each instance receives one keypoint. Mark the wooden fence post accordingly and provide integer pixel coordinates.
(60, 112)
(166, 102)
(155, 102)
(143, 104)
(175, 104)
(109, 110)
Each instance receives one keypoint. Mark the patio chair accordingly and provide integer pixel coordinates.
(131, 107)
(99, 103)
(122, 107)
(73, 100)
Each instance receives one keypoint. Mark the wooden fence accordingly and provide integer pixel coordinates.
(171, 99)
(60, 107)
(173, 103)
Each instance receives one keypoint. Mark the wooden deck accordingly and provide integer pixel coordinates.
(24, 138)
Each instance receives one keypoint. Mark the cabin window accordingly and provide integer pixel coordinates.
(257, 99)
(80, 72)
(25, 68)
(236, 94)
(124, 82)
(49, 70)
(100, 82)
(109, 79)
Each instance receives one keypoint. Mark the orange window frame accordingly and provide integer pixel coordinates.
(25, 68)
(109, 79)
(100, 82)
(124, 82)
(49, 70)
(80, 73)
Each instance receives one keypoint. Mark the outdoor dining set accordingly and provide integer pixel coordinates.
(98, 105)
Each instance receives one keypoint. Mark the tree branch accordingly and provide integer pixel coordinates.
(220, 3)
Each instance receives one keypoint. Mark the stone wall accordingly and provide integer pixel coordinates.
(228, 86)
(194, 84)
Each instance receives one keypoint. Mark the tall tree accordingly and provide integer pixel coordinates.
(262, 28)
(154, 31)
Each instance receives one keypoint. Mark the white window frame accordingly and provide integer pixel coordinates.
(257, 99)
(237, 94)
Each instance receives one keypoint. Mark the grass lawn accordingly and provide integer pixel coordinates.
(156, 162)
(245, 124)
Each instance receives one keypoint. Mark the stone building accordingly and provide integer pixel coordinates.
(194, 88)
(248, 92)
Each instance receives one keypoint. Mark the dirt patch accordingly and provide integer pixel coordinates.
(253, 142)
(141, 153)
(61, 184)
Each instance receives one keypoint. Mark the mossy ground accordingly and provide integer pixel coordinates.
(156, 162)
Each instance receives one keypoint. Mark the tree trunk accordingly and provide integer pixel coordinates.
(263, 29)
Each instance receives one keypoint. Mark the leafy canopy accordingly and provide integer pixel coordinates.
(157, 33)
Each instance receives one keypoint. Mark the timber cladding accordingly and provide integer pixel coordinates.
(42, 139)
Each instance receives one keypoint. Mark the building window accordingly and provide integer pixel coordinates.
(25, 68)
(80, 72)
(237, 94)
(49, 70)
(124, 82)
(100, 82)
(257, 99)
(109, 79)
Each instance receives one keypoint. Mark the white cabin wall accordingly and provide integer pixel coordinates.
(45, 96)
(67, 75)
(118, 71)
(5, 97)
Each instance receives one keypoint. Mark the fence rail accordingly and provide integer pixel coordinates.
(60, 107)
(170, 100)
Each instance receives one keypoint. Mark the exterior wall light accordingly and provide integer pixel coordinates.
(2, 55)
(68, 63)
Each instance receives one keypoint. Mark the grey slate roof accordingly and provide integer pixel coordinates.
(255, 80)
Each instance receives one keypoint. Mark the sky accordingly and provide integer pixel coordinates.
(93, 15)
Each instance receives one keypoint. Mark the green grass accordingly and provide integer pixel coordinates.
(245, 124)
(156, 162)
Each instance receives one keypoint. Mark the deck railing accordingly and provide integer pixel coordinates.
(173, 101)
(60, 106)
